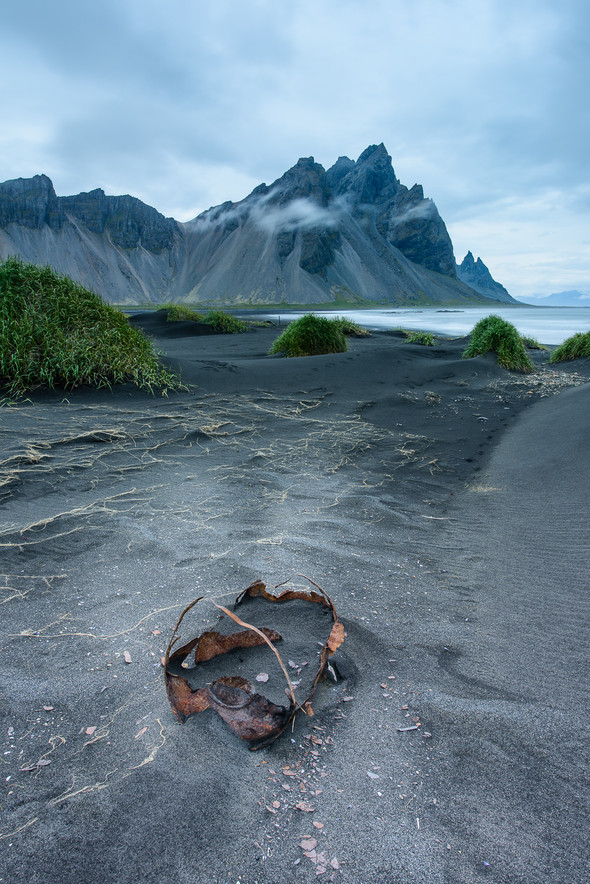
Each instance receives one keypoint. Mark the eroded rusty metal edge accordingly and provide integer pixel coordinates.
(211, 644)
(256, 719)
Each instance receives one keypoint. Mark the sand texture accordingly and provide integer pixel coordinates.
(441, 503)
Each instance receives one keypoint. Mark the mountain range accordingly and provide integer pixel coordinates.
(352, 234)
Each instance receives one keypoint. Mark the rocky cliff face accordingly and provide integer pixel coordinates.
(128, 222)
(350, 234)
(476, 275)
(115, 245)
(403, 217)
(31, 202)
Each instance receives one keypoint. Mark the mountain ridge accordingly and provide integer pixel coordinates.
(350, 234)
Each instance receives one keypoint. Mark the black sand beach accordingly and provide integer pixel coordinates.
(442, 504)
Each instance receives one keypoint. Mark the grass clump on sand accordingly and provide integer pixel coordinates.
(55, 333)
(224, 323)
(178, 312)
(310, 335)
(351, 329)
(418, 337)
(532, 343)
(576, 347)
(494, 334)
(219, 320)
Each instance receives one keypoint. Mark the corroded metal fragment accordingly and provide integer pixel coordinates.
(250, 715)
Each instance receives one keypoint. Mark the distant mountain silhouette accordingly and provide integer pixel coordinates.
(352, 234)
(571, 298)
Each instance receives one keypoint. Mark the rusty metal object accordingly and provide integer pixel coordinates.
(250, 715)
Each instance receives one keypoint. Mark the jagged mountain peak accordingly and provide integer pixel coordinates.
(336, 173)
(469, 262)
(375, 153)
(305, 180)
(475, 274)
(371, 179)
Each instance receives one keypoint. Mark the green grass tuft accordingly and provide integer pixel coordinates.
(224, 322)
(418, 337)
(351, 329)
(494, 334)
(310, 335)
(219, 320)
(55, 333)
(532, 343)
(576, 347)
(178, 312)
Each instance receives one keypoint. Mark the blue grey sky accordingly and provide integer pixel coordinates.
(187, 103)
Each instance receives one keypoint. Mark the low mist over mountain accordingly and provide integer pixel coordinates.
(352, 234)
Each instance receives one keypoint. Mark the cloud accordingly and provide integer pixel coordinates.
(270, 216)
(216, 216)
(298, 214)
(421, 211)
(186, 105)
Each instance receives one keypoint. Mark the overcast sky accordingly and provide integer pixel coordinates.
(187, 103)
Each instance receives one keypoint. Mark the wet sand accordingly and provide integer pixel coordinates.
(440, 502)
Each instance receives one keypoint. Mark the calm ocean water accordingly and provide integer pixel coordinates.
(549, 325)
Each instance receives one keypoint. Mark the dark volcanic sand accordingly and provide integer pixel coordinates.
(440, 502)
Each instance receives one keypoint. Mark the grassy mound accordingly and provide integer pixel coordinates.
(576, 347)
(179, 312)
(418, 337)
(532, 343)
(219, 320)
(224, 323)
(494, 334)
(55, 333)
(351, 329)
(310, 336)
